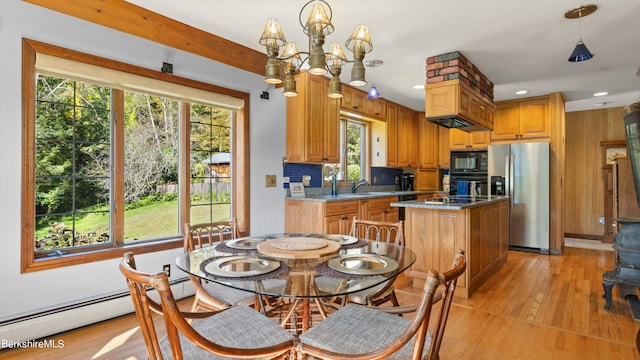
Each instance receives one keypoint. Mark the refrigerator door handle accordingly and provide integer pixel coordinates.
(509, 181)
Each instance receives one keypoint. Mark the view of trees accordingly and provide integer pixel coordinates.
(74, 164)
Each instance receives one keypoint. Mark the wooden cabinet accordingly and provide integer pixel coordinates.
(427, 180)
(392, 134)
(517, 120)
(356, 101)
(462, 140)
(313, 122)
(444, 147)
(429, 140)
(320, 217)
(435, 235)
(336, 217)
(452, 98)
(407, 140)
(379, 209)
(402, 136)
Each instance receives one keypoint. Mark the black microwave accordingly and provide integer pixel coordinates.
(469, 162)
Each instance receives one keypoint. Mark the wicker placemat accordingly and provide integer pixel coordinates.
(283, 269)
(222, 247)
(359, 244)
(324, 270)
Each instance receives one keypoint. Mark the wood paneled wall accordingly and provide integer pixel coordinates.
(584, 187)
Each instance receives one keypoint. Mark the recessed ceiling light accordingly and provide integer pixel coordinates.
(419, 87)
(521, 92)
(601, 93)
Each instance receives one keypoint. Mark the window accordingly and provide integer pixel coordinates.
(353, 151)
(112, 167)
(354, 142)
(210, 164)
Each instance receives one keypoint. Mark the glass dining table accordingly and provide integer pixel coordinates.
(290, 272)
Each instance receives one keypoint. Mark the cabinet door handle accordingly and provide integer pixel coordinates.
(344, 217)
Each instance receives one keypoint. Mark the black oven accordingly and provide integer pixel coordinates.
(469, 162)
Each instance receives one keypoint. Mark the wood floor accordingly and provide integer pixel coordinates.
(536, 307)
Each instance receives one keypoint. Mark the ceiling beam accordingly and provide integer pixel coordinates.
(126, 17)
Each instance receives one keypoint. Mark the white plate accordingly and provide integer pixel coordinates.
(244, 244)
(363, 264)
(342, 239)
(241, 266)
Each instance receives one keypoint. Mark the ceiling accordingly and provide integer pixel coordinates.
(516, 44)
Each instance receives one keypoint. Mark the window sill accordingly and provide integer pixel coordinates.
(77, 258)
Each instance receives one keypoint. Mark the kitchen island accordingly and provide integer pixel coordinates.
(435, 229)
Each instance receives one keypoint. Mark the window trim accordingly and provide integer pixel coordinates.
(240, 153)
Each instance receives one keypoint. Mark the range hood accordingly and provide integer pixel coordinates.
(451, 121)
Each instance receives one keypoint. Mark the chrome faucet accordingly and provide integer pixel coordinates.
(355, 185)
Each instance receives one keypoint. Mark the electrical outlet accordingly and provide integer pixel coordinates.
(167, 268)
(285, 180)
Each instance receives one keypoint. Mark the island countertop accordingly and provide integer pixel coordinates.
(453, 204)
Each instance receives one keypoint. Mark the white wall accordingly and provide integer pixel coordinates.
(28, 293)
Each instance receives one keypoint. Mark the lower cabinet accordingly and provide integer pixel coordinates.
(320, 217)
(435, 235)
(336, 217)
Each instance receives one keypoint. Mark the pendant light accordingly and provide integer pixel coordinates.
(373, 92)
(581, 52)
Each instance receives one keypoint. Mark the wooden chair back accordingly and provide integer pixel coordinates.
(177, 322)
(439, 287)
(199, 235)
(144, 306)
(448, 282)
(388, 232)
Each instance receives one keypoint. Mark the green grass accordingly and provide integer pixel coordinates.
(157, 219)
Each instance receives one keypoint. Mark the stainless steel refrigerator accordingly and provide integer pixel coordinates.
(525, 168)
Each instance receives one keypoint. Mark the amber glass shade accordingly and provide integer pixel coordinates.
(318, 22)
(272, 34)
(360, 39)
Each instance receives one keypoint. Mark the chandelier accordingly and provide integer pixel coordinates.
(317, 27)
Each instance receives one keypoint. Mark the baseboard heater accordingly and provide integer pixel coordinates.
(48, 323)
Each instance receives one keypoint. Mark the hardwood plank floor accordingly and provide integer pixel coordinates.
(536, 307)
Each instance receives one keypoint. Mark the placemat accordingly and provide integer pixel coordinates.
(324, 270)
(283, 269)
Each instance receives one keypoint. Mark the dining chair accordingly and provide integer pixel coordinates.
(377, 333)
(381, 231)
(209, 295)
(236, 332)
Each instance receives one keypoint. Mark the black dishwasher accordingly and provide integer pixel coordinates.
(405, 198)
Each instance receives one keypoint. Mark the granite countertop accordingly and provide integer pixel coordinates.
(362, 195)
(443, 205)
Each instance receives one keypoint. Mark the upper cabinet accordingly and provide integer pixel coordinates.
(525, 119)
(355, 101)
(402, 136)
(313, 122)
(462, 140)
(444, 147)
(429, 143)
(451, 100)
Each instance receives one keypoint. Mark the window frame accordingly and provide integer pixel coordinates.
(240, 157)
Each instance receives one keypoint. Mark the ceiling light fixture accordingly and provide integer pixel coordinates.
(601, 93)
(521, 92)
(580, 53)
(317, 26)
(373, 92)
